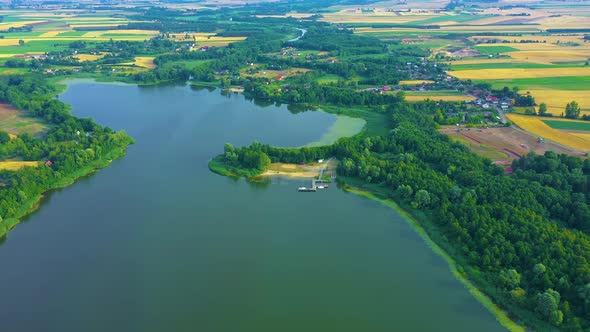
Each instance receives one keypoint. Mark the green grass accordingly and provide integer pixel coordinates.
(495, 49)
(35, 46)
(216, 165)
(190, 63)
(568, 125)
(19, 35)
(444, 18)
(343, 127)
(434, 93)
(577, 83)
(327, 79)
(377, 123)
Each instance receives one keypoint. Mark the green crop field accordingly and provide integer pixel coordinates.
(568, 125)
(35, 46)
(577, 83)
(495, 49)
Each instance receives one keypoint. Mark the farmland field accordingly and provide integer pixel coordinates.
(14, 122)
(517, 73)
(574, 83)
(537, 126)
(568, 125)
(437, 95)
(16, 165)
(495, 49)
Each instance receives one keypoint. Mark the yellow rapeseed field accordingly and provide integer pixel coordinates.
(16, 165)
(535, 126)
(557, 99)
(491, 74)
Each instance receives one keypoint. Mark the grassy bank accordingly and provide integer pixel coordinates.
(216, 165)
(33, 203)
(422, 223)
(457, 271)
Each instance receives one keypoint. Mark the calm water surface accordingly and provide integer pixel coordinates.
(156, 242)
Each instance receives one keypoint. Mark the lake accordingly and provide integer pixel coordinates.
(156, 242)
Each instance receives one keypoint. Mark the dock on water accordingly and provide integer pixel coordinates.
(318, 183)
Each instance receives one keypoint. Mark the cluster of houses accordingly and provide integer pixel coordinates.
(289, 51)
(489, 101)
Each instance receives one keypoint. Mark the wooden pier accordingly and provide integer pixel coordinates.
(318, 183)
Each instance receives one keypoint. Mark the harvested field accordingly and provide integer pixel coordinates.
(145, 61)
(536, 126)
(88, 57)
(512, 73)
(503, 145)
(557, 99)
(50, 34)
(552, 56)
(16, 165)
(14, 122)
(582, 136)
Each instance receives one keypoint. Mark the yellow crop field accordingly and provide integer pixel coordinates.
(552, 39)
(88, 57)
(16, 165)
(415, 82)
(557, 99)
(9, 42)
(552, 56)
(582, 136)
(145, 61)
(50, 34)
(4, 26)
(513, 73)
(534, 125)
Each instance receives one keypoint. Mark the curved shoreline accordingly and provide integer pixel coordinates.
(500, 315)
(34, 203)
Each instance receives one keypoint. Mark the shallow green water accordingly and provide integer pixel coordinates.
(156, 242)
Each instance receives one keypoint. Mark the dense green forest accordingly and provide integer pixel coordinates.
(522, 238)
(70, 148)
